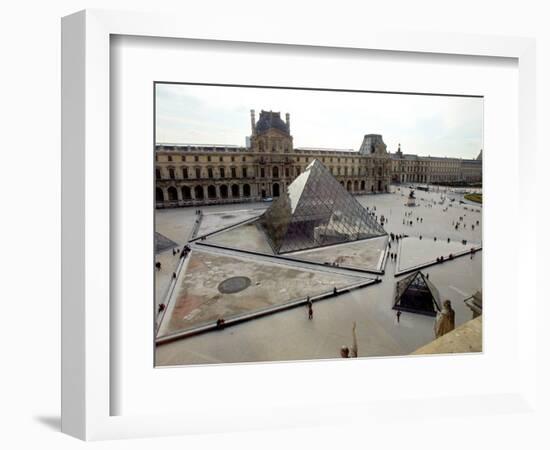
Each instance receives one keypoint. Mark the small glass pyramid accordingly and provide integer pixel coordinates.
(417, 294)
(316, 211)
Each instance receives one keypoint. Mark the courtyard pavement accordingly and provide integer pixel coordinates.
(290, 335)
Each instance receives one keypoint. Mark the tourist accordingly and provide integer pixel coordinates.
(157, 265)
(173, 251)
(220, 323)
(334, 291)
(310, 310)
(173, 275)
(398, 315)
(162, 306)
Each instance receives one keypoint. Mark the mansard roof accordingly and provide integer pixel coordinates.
(270, 119)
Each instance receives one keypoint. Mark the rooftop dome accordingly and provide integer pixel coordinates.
(270, 119)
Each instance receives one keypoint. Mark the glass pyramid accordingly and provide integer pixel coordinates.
(417, 294)
(316, 211)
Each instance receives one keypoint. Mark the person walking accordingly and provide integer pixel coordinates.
(398, 315)
(309, 304)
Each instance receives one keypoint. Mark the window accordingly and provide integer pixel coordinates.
(157, 174)
(210, 172)
(244, 158)
(185, 173)
(287, 172)
(197, 172)
(169, 158)
(244, 172)
(233, 172)
(196, 158)
(222, 172)
(172, 173)
(275, 172)
(209, 158)
(232, 159)
(262, 172)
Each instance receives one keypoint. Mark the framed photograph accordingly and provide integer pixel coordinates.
(253, 227)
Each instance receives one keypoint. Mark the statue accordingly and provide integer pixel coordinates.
(411, 201)
(445, 320)
(345, 351)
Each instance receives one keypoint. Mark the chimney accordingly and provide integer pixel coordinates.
(252, 120)
(288, 122)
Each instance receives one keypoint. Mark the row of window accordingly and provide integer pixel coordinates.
(209, 158)
(275, 173)
(215, 158)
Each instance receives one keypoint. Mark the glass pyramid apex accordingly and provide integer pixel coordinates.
(316, 211)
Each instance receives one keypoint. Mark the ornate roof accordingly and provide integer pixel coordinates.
(270, 119)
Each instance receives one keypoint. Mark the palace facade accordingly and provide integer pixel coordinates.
(210, 174)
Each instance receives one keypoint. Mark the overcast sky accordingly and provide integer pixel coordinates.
(425, 125)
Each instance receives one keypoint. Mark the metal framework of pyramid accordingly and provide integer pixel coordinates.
(417, 294)
(316, 211)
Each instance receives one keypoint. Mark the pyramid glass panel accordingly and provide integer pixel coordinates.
(417, 294)
(316, 211)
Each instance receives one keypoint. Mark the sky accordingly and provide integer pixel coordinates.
(423, 124)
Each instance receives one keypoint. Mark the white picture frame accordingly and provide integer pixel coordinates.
(87, 386)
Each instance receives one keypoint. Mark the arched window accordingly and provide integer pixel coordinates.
(199, 192)
(159, 195)
(186, 192)
(276, 190)
(246, 190)
(211, 191)
(363, 185)
(348, 186)
(355, 186)
(172, 194)
(224, 191)
(275, 172)
(235, 190)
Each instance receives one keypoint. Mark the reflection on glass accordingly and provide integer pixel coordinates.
(316, 211)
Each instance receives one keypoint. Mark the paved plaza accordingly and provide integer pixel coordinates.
(198, 294)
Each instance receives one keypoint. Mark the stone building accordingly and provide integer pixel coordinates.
(407, 168)
(210, 174)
